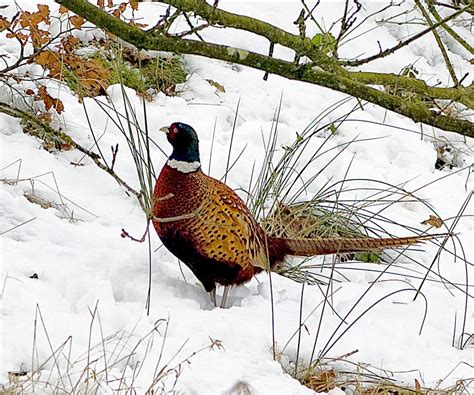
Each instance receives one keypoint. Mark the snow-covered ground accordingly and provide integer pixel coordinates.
(92, 284)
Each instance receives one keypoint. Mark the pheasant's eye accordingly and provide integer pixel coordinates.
(174, 129)
(173, 132)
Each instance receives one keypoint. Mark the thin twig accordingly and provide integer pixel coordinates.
(300, 21)
(17, 226)
(448, 28)
(114, 155)
(402, 44)
(270, 54)
(449, 66)
(310, 14)
(122, 183)
(193, 29)
(346, 22)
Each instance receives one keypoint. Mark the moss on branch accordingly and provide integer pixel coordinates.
(461, 94)
(352, 83)
(37, 128)
(216, 16)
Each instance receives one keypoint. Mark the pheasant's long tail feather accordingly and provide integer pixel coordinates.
(336, 245)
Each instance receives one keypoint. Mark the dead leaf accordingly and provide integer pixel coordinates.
(45, 204)
(63, 10)
(92, 74)
(417, 387)
(134, 4)
(33, 19)
(39, 37)
(43, 11)
(49, 60)
(321, 381)
(77, 21)
(69, 43)
(66, 147)
(119, 10)
(216, 85)
(19, 36)
(4, 24)
(48, 100)
(434, 221)
(15, 377)
(46, 117)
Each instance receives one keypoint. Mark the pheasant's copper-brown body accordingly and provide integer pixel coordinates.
(211, 230)
(208, 227)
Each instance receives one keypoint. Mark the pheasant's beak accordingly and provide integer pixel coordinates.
(165, 129)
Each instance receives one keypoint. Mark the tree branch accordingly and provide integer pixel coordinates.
(228, 19)
(342, 82)
(461, 94)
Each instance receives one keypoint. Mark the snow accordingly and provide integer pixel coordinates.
(92, 284)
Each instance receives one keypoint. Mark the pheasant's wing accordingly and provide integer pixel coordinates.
(224, 229)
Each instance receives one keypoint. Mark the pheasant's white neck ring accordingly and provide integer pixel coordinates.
(184, 167)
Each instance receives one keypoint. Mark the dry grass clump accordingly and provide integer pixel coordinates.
(363, 381)
(309, 219)
(112, 364)
(287, 205)
(320, 380)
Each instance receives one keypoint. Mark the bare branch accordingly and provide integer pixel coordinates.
(402, 44)
(448, 29)
(193, 29)
(347, 21)
(439, 42)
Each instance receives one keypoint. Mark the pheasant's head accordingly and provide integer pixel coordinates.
(185, 142)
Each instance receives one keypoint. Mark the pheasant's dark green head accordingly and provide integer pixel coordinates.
(185, 143)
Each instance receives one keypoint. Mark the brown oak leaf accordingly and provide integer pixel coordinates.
(434, 221)
(49, 101)
(4, 24)
(216, 85)
(77, 21)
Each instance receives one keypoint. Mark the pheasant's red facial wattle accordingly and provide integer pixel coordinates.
(173, 132)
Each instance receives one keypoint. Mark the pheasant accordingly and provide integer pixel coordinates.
(206, 225)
